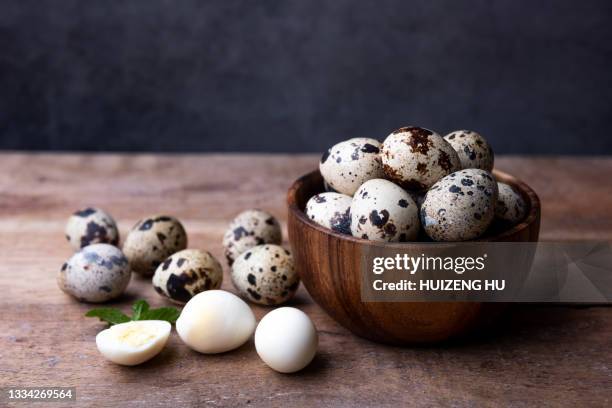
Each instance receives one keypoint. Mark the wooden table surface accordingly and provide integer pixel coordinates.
(538, 355)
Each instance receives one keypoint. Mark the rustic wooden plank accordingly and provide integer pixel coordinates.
(558, 356)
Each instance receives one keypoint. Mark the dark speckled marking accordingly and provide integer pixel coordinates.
(176, 288)
(320, 199)
(146, 225)
(161, 237)
(180, 262)
(467, 182)
(273, 269)
(421, 168)
(370, 148)
(253, 294)
(251, 278)
(390, 229)
(166, 264)
(95, 233)
(379, 220)
(239, 233)
(325, 156)
(471, 154)
(341, 222)
(86, 212)
(64, 266)
(444, 160)
(247, 255)
(403, 203)
(455, 189)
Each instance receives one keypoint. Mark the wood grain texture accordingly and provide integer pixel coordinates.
(549, 356)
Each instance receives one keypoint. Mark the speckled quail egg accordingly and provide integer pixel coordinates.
(151, 241)
(510, 206)
(331, 210)
(187, 273)
(383, 211)
(473, 150)
(459, 207)
(415, 158)
(250, 228)
(347, 165)
(97, 273)
(91, 226)
(265, 275)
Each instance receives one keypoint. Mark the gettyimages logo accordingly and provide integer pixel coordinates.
(412, 265)
(488, 272)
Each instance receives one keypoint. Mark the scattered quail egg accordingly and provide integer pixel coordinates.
(415, 158)
(151, 241)
(473, 150)
(286, 340)
(265, 275)
(133, 343)
(215, 321)
(187, 273)
(91, 226)
(383, 211)
(250, 228)
(347, 165)
(511, 206)
(331, 210)
(97, 273)
(460, 207)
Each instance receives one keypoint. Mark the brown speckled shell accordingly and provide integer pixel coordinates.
(187, 273)
(152, 240)
(266, 275)
(415, 158)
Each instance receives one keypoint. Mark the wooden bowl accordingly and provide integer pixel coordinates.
(329, 265)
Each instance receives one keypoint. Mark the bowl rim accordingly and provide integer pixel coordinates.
(527, 192)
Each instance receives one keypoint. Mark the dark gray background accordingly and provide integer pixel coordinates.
(299, 75)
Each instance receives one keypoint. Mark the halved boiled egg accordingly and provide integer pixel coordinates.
(134, 342)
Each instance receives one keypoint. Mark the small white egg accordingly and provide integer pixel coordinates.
(133, 343)
(286, 340)
(215, 321)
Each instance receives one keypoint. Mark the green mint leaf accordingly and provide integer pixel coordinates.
(139, 309)
(109, 315)
(169, 314)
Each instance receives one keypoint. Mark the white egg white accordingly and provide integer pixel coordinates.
(286, 340)
(215, 321)
(133, 343)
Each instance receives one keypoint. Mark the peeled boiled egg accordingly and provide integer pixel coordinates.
(215, 321)
(134, 342)
(286, 340)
